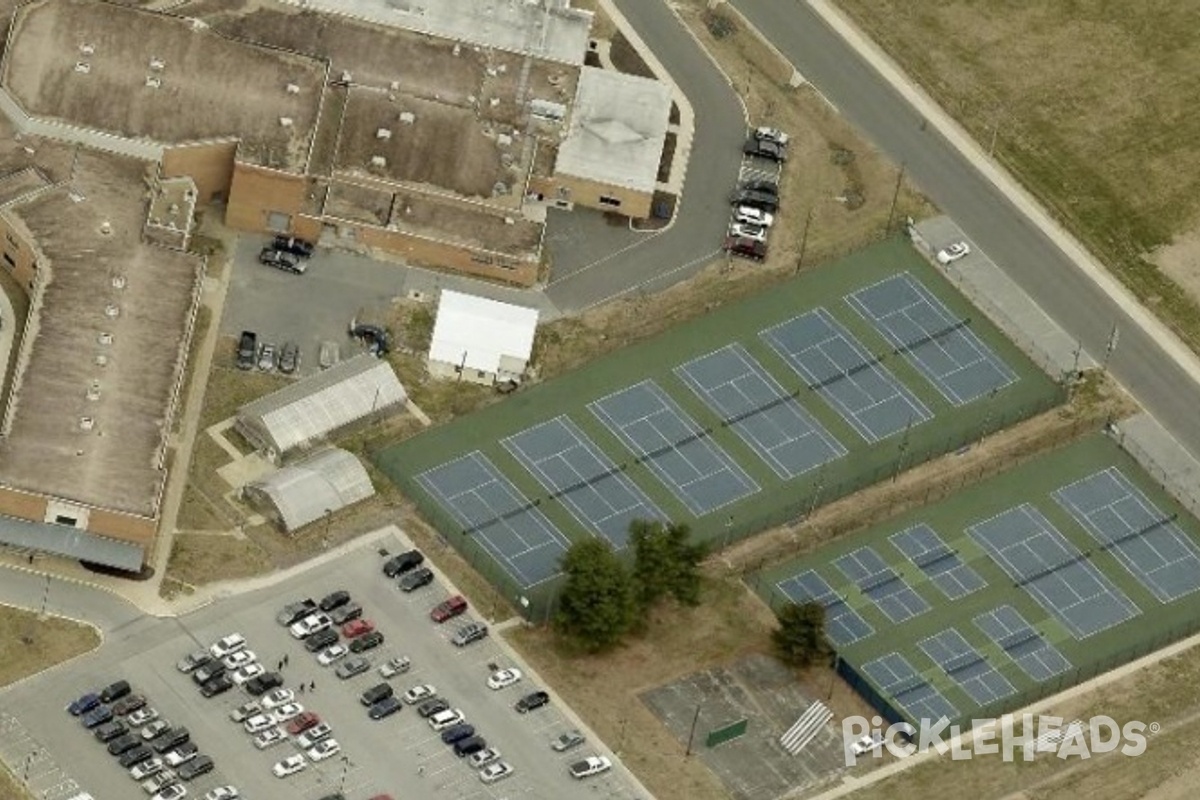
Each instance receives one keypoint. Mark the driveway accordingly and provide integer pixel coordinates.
(593, 261)
(400, 755)
(986, 214)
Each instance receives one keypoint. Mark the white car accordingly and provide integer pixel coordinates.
(332, 654)
(269, 738)
(872, 741)
(953, 252)
(247, 673)
(592, 765)
(395, 666)
(746, 230)
(156, 782)
(445, 719)
(753, 216)
(285, 712)
(245, 711)
(311, 624)
(289, 766)
(484, 757)
(418, 693)
(313, 735)
(223, 793)
(278, 697)
(503, 678)
(259, 723)
(323, 750)
(228, 646)
(239, 659)
(140, 717)
(151, 766)
(173, 791)
(495, 772)
(772, 135)
(181, 755)
(154, 728)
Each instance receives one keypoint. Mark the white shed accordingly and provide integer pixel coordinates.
(481, 340)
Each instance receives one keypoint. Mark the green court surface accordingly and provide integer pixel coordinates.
(1154, 622)
(777, 499)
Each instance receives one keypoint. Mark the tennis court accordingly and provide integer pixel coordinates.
(874, 578)
(843, 625)
(846, 375)
(493, 512)
(1148, 542)
(940, 345)
(751, 402)
(675, 448)
(575, 471)
(1036, 657)
(1053, 571)
(921, 545)
(895, 675)
(966, 666)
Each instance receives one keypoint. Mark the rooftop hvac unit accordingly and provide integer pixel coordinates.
(495, 101)
(87, 49)
(118, 281)
(93, 392)
(503, 139)
(286, 121)
(105, 338)
(394, 86)
(83, 67)
(157, 64)
(383, 133)
(293, 88)
(101, 360)
(85, 424)
(457, 48)
(153, 81)
(112, 310)
(408, 118)
(106, 228)
(347, 77)
(378, 161)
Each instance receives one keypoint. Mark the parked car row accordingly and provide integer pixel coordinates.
(266, 356)
(287, 253)
(756, 201)
(160, 756)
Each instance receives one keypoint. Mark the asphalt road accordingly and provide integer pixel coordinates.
(400, 755)
(980, 209)
(652, 262)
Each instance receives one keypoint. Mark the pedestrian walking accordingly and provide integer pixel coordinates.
(302, 688)
(312, 687)
(279, 665)
(421, 770)
(286, 662)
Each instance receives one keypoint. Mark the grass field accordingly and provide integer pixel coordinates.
(778, 500)
(1089, 104)
(1157, 624)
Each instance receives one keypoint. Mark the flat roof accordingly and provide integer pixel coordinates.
(210, 86)
(477, 332)
(542, 28)
(108, 343)
(617, 129)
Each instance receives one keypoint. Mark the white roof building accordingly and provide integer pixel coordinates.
(314, 408)
(326, 481)
(617, 130)
(481, 340)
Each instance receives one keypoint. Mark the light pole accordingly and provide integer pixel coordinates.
(895, 199)
(804, 240)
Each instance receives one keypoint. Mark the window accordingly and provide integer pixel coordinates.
(63, 519)
(9, 260)
(11, 239)
(605, 200)
(480, 374)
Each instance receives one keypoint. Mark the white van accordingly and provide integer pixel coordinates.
(444, 719)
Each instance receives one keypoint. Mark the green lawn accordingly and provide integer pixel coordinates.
(778, 500)
(1033, 483)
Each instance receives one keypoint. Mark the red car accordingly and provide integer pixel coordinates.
(357, 627)
(449, 609)
(302, 722)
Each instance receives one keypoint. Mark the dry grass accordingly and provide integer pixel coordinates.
(199, 558)
(1090, 104)
(10, 789)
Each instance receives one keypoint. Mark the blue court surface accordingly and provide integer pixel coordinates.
(966, 666)
(751, 402)
(1147, 542)
(896, 677)
(843, 625)
(569, 465)
(852, 381)
(878, 581)
(921, 545)
(1053, 571)
(675, 448)
(1038, 658)
(492, 511)
(939, 345)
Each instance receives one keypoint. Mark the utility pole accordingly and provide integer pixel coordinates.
(804, 240)
(895, 199)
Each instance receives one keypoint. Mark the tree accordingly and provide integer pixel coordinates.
(597, 605)
(665, 562)
(800, 638)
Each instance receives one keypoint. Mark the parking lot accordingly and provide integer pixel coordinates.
(400, 755)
